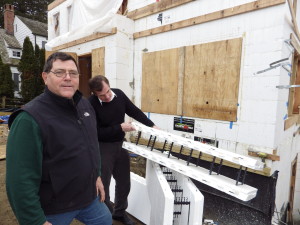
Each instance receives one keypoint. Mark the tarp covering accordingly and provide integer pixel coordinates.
(4, 119)
(86, 18)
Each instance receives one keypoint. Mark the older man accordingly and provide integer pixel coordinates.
(53, 160)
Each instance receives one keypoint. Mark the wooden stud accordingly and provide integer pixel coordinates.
(98, 61)
(155, 8)
(269, 156)
(236, 10)
(55, 4)
(85, 39)
(295, 43)
(294, 20)
(291, 120)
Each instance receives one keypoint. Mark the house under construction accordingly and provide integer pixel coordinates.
(223, 72)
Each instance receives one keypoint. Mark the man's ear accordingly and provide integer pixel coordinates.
(45, 76)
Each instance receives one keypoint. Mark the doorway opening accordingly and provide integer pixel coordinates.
(85, 67)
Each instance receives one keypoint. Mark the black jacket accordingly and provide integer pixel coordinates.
(111, 114)
(71, 157)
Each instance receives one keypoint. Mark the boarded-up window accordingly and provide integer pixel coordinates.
(195, 81)
(211, 80)
(160, 81)
(98, 57)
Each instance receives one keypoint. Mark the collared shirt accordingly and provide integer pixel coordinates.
(112, 97)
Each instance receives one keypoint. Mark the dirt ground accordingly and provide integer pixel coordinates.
(8, 218)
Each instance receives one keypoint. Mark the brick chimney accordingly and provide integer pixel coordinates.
(9, 16)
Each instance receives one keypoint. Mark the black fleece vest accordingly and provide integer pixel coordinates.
(71, 156)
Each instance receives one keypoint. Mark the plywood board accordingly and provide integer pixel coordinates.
(212, 72)
(160, 81)
(98, 64)
(296, 107)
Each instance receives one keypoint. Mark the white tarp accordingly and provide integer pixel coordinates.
(86, 17)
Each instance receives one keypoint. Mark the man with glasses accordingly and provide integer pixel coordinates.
(111, 105)
(53, 160)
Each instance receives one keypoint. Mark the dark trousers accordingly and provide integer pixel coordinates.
(115, 162)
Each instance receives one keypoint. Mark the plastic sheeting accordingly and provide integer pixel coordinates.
(87, 17)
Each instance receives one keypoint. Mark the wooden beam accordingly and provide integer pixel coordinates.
(294, 20)
(155, 8)
(291, 120)
(55, 4)
(159, 145)
(85, 39)
(236, 10)
(295, 43)
(267, 156)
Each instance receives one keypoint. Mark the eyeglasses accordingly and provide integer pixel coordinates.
(63, 73)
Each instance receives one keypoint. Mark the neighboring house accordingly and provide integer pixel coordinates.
(35, 30)
(11, 50)
(16, 29)
(228, 70)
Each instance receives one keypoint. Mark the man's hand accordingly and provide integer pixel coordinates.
(100, 189)
(47, 223)
(156, 127)
(126, 127)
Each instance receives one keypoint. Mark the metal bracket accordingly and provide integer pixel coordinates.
(287, 86)
(276, 64)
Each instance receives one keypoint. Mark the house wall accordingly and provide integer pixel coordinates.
(21, 31)
(62, 11)
(11, 50)
(39, 41)
(262, 107)
(118, 52)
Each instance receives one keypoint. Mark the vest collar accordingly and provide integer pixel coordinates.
(62, 100)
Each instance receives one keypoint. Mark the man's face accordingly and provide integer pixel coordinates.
(64, 86)
(105, 95)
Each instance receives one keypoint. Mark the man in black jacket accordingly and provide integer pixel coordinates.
(111, 105)
(53, 160)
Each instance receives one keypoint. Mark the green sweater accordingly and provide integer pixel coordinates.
(24, 170)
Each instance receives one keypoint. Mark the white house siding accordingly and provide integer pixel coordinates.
(118, 54)
(39, 41)
(262, 107)
(21, 31)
